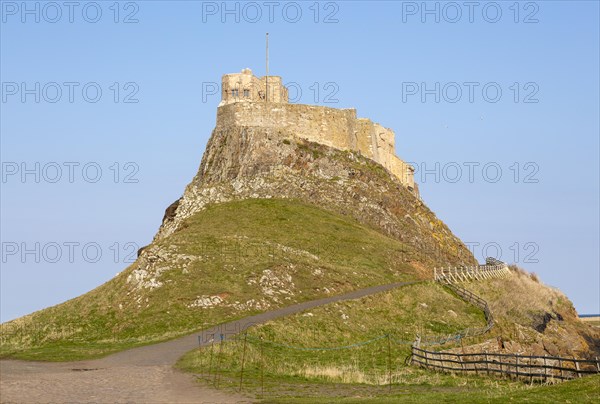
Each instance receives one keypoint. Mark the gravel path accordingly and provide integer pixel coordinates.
(138, 375)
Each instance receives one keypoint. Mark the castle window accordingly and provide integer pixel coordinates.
(246, 93)
(235, 93)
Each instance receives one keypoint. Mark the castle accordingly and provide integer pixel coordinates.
(251, 101)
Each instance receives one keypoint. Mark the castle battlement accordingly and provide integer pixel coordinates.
(333, 127)
(244, 86)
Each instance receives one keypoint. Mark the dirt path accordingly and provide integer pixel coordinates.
(138, 375)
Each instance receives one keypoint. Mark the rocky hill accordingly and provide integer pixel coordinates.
(270, 219)
(253, 162)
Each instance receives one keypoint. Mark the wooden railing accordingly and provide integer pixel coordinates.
(539, 368)
(466, 274)
(475, 300)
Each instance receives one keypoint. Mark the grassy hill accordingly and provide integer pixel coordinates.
(343, 342)
(346, 351)
(225, 262)
(268, 221)
(319, 223)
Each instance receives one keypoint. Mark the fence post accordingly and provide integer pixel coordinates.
(577, 366)
(262, 371)
(545, 369)
(218, 362)
(243, 359)
(530, 370)
(389, 361)
(500, 364)
(561, 368)
(597, 364)
(516, 366)
(487, 369)
(199, 351)
(212, 349)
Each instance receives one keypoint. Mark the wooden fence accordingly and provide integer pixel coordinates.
(469, 297)
(465, 274)
(476, 301)
(538, 368)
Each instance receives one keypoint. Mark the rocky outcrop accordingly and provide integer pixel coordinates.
(254, 162)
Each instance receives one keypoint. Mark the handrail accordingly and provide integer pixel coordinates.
(520, 366)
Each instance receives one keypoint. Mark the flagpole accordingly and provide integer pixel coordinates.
(267, 76)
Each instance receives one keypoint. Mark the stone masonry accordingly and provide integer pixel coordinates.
(243, 105)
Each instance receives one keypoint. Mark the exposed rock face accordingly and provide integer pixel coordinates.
(170, 211)
(333, 127)
(568, 338)
(532, 319)
(255, 162)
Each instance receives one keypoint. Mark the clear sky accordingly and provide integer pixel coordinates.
(511, 168)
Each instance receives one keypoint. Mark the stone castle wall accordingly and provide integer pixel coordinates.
(338, 128)
(245, 86)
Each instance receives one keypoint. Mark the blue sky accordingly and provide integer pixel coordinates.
(513, 173)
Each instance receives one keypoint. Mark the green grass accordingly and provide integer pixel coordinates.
(301, 349)
(585, 390)
(273, 362)
(302, 251)
(410, 385)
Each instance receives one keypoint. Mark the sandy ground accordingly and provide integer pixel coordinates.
(138, 375)
(24, 382)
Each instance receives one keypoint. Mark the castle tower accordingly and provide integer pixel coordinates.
(245, 103)
(244, 87)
